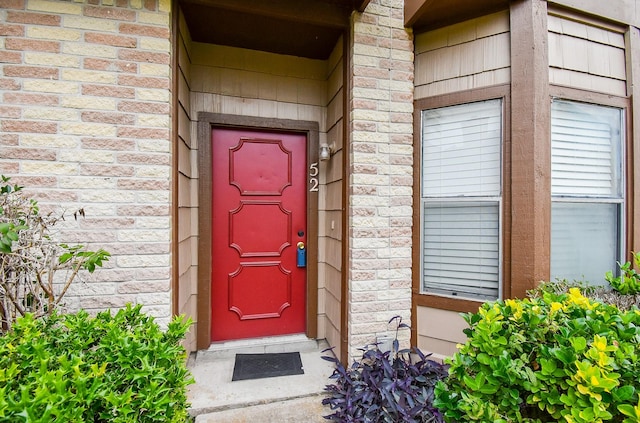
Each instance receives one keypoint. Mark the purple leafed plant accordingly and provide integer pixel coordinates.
(385, 386)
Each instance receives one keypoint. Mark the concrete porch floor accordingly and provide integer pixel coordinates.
(298, 398)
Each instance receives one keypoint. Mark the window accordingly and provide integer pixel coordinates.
(586, 190)
(461, 200)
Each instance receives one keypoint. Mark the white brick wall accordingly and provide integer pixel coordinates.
(85, 123)
(380, 209)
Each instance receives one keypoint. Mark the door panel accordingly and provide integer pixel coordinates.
(259, 217)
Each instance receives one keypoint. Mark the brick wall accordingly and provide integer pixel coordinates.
(381, 171)
(84, 122)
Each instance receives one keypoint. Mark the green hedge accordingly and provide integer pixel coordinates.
(76, 368)
(555, 357)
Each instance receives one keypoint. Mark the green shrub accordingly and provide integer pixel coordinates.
(601, 294)
(35, 270)
(556, 357)
(111, 368)
(628, 283)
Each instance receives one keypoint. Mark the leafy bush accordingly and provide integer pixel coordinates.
(601, 294)
(381, 387)
(554, 357)
(629, 280)
(35, 271)
(112, 368)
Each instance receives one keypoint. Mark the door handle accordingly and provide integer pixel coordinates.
(301, 255)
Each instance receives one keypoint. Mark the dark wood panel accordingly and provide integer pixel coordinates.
(425, 15)
(314, 12)
(530, 147)
(304, 28)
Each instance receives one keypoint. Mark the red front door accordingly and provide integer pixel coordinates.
(259, 217)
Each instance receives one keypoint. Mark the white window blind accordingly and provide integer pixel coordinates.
(461, 150)
(461, 189)
(586, 188)
(585, 159)
(461, 249)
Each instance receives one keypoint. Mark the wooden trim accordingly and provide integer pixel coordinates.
(575, 94)
(361, 5)
(175, 140)
(204, 235)
(531, 146)
(507, 195)
(451, 99)
(347, 89)
(624, 11)
(206, 122)
(413, 10)
(437, 301)
(630, 187)
(632, 41)
(416, 250)
(444, 303)
(576, 16)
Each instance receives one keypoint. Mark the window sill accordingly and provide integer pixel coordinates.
(461, 305)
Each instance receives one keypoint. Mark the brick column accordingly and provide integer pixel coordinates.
(380, 185)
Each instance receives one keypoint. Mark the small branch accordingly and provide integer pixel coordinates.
(14, 301)
(42, 285)
(70, 279)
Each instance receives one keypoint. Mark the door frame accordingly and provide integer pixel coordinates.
(206, 123)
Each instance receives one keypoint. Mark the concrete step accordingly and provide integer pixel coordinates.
(299, 410)
(273, 344)
(297, 398)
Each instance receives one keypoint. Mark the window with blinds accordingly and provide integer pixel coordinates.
(586, 189)
(461, 200)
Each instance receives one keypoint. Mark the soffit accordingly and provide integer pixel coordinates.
(425, 15)
(304, 28)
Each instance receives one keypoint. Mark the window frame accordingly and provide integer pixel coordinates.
(453, 303)
(444, 200)
(625, 213)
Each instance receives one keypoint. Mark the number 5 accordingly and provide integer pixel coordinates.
(313, 169)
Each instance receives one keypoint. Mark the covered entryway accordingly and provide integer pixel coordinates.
(264, 68)
(259, 233)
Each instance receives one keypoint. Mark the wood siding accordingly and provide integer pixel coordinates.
(330, 202)
(586, 56)
(187, 191)
(464, 56)
(440, 331)
(623, 11)
(246, 82)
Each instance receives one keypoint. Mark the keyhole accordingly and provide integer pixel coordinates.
(301, 233)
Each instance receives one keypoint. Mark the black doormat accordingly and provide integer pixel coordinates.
(258, 366)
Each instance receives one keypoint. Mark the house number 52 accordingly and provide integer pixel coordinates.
(313, 177)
